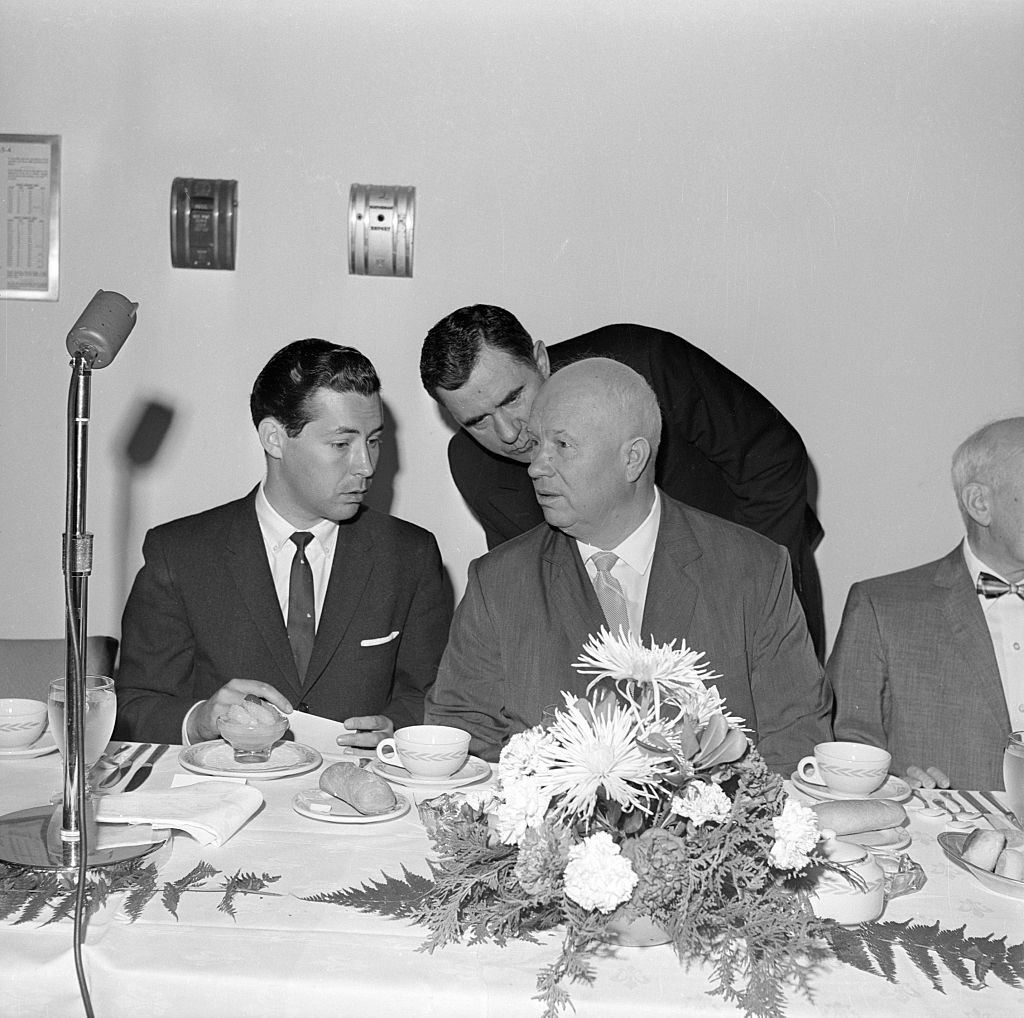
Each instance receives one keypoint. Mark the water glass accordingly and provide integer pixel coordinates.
(99, 714)
(1013, 773)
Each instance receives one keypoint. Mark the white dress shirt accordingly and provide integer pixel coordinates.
(633, 568)
(1005, 618)
(277, 532)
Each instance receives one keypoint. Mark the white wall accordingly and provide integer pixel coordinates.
(827, 196)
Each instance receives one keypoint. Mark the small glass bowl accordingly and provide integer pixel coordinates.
(251, 743)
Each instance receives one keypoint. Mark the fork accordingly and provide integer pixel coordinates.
(960, 813)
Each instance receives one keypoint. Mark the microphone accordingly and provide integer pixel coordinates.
(102, 328)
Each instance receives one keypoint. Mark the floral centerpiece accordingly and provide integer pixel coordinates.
(644, 802)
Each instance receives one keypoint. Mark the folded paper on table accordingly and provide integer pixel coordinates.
(320, 733)
(211, 812)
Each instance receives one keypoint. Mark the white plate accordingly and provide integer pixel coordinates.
(474, 769)
(900, 840)
(341, 812)
(218, 758)
(43, 745)
(952, 843)
(894, 788)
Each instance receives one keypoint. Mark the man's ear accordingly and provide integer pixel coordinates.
(638, 455)
(976, 499)
(272, 437)
(540, 358)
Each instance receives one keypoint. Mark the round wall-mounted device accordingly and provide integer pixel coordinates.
(381, 221)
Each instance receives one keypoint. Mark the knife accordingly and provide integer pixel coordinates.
(146, 769)
(1006, 814)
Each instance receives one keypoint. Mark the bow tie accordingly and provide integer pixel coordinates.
(992, 586)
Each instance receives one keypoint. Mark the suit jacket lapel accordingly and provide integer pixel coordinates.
(969, 630)
(573, 601)
(350, 575)
(246, 559)
(671, 592)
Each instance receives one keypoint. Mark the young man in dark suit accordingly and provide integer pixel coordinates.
(296, 592)
(724, 447)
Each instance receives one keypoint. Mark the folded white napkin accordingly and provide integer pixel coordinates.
(211, 811)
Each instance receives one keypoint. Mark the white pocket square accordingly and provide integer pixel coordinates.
(379, 640)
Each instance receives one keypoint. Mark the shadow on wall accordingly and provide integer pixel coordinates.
(143, 439)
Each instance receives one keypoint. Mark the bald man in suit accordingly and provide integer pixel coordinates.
(928, 662)
(531, 603)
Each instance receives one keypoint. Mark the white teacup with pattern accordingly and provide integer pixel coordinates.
(851, 768)
(426, 751)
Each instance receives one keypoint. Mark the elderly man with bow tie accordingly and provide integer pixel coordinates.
(929, 663)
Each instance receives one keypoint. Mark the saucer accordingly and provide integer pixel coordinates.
(43, 745)
(894, 839)
(319, 805)
(894, 788)
(474, 769)
(218, 759)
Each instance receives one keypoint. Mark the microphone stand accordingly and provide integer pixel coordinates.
(28, 837)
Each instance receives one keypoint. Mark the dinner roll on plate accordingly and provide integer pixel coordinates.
(854, 816)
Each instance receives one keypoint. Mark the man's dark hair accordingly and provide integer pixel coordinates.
(452, 347)
(285, 387)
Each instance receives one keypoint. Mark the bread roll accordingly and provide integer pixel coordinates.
(1011, 863)
(982, 848)
(852, 816)
(361, 789)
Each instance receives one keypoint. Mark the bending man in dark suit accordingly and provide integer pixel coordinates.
(928, 662)
(531, 603)
(351, 628)
(724, 448)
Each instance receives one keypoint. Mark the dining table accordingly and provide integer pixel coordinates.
(280, 955)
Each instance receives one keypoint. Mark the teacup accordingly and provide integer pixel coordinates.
(21, 722)
(851, 768)
(426, 751)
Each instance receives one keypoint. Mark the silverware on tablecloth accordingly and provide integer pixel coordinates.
(123, 767)
(961, 814)
(1001, 810)
(108, 761)
(146, 769)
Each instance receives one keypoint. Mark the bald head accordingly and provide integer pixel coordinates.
(596, 427)
(988, 478)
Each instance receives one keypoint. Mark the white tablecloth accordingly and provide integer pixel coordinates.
(283, 957)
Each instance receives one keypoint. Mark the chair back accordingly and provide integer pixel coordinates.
(27, 666)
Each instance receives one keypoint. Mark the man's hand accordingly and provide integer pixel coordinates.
(367, 731)
(202, 725)
(926, 777)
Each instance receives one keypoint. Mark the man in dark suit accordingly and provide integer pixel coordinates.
(297, 592)
(928, 662)
(724, 448)
(531, 603)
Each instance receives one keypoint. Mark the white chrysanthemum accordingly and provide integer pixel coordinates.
(598, 875)
(702, 801)
(519, 757)
(485, 799)
(796, 834)
(595, 750)
(662, 672)
(523, 805)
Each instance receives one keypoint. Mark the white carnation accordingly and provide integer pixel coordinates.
(702, 802)
(519, 758)
(796, 834)
(522, 806)
(598, 875)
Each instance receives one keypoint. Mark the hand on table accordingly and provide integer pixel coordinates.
(926, 777)
(202, 725)
(367, 731)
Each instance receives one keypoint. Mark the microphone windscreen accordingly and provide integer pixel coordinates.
(102, 328)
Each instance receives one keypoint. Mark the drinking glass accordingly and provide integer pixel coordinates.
(1013, 773)
(98, 720)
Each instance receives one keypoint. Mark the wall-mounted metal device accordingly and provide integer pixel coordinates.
(203, 222)
(381, 221)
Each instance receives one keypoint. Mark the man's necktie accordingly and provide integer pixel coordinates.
(992, 586)
(301, 608)
(609, 592)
